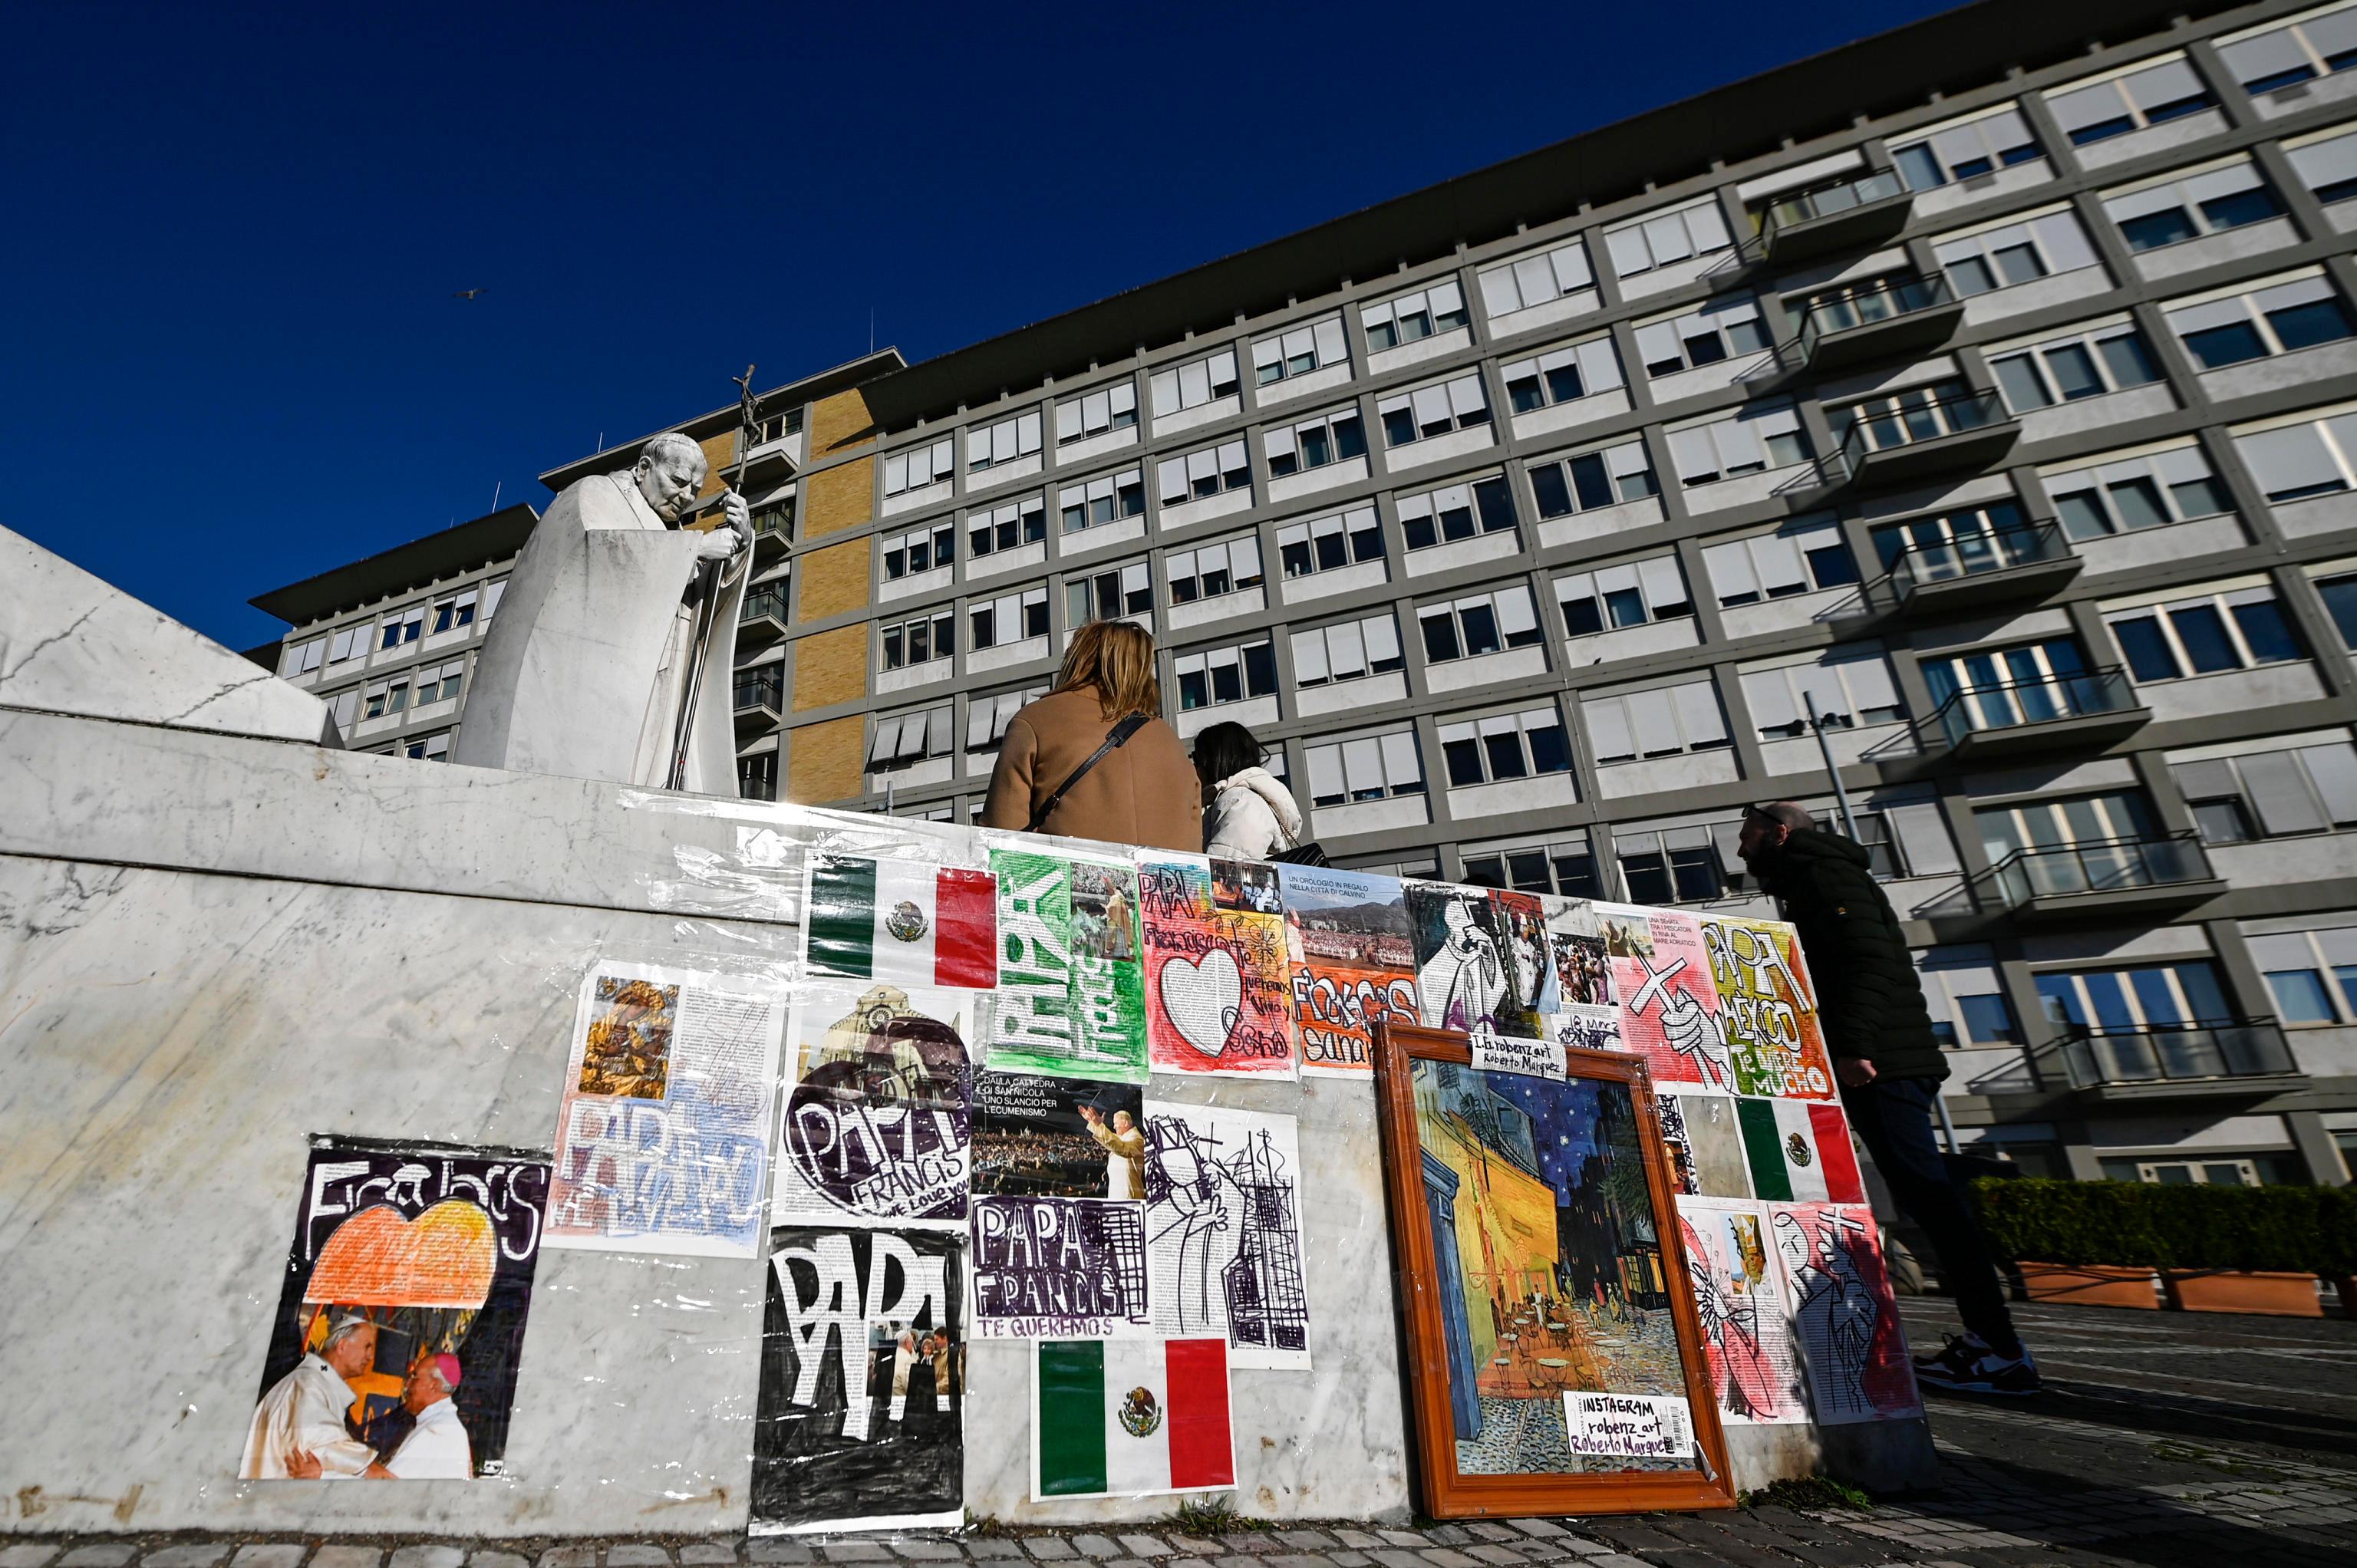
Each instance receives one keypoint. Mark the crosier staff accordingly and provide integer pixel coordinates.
(707, 585)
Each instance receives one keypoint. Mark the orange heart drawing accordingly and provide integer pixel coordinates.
(445, 1257)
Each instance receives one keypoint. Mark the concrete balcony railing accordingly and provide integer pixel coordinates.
(2204, 1059)
(1899, 318)
(1922, 431)
(1998, 565)
(2110, 878)
(2092, 708)
(1850, 214)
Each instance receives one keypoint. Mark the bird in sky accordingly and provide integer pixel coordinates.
(468, 294)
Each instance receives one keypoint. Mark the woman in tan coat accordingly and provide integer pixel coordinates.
(1145, 792)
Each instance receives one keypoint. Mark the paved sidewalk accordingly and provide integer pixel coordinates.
(2165, 1441)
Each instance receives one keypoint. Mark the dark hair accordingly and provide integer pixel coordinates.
(1224, 750)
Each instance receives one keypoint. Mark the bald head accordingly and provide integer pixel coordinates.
(669, 473)
(1789, 812)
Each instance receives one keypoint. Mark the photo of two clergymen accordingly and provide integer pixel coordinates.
(393, 1355)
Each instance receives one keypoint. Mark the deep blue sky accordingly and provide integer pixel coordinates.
(234, 359)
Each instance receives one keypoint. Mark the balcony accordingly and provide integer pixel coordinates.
(1974, 569)
(2108, 879)
(2201, 1060)
(1922, 431)
(1853, 214)
(773, 532)
(1899, 318)
(758, 697)
(764, 618)
(2015, 718)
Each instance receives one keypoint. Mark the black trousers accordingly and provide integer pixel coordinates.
(1893, 1119)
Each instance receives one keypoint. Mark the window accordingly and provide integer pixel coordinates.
(1198, 475)
(1408, 317)
(1532, 281)
(1222, 675)
(435, 747)
(455, 614)
(2016, 253)
(1593, 479)
(757, 777)
(385, 698)
(1806, 554)
(1675, 866)
(2271, 794)
(1966, 998)
(1109, 593)
(2281, 55)
(1328, 544)
(1357, 768)
(1633, 594)
(1645, 243)
(2265, 322)
(492, 594)
(403, 627)
(986, 717)
(1752, 442)
(919, 550)
(919, 640)
(1568, 868)
(302, 658)
(2327, 166)
(1479, 624)
(2153, 491)
(2151, 95)
(1346, 651)
(439, 685)
(914, 470)
(1720, 330)
(2145, 996)
(1004, 441)
(1433, 410)
(1007, 527)
(2340, 596)
(2001, 687)
(1563, 375)
(2312, 975)
(1974, 150)
(1213, 571)
(1296, 351)
(1333, 437)
(1505, 746)
(1850, 689)
(1009, 618)
(1919, 414)
(1954, 543)
(903, 740)
(1456, 512)
(2087, 361)
(1197, 382)
(353, 640)
(2202, 636)
(1663, 722)
(1106, 409)
(344, 707)
(2122, 815)
(1103, 499)
(2188, 206)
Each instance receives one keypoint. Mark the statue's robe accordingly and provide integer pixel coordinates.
(585, 669)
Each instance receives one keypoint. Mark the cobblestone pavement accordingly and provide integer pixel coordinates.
(2164, 1440)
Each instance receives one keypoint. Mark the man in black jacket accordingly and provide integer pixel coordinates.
(1870, 1004)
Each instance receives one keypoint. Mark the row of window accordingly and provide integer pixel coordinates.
(393, 629)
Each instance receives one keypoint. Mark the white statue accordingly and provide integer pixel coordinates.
(585, 667)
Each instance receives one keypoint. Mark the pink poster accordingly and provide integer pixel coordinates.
(1218, 983)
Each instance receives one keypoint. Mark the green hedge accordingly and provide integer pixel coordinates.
(2300, 1229)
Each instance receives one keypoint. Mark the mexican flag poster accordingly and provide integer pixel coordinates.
(1130, 1417)
(902, 922)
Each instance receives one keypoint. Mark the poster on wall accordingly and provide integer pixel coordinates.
(1584, 1013)
(1354, 963)
(900, 921)
(861, 1413)
(1126, 1419)
(1223, 1231)
(393, 1349)
(663, 1133)
(1055, 1266)
(1705, 1145)
(1071, 1000)
(876, 1128)
(1044, 1137)
(1843, 1313)
(1557, 1356)
(1799, 1151)
(1466, 976)
(1218, 989)
(1668, 1006)
(1531, 984)
(1747, 1320)
(1767, 1010)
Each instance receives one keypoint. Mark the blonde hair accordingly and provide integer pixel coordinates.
(1115, 661)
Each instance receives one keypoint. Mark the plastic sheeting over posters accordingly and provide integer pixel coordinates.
(393, 1349)
(1669, 1005)
(1223, 1231)
(1037, 1137)
(877, 1130)
(1767, 1009)
(1070, 1001)
(1843, 1313)
(1059, 1266)
(901, 921)
(862, 1407)
(1747, 1318)
(1354, 963)
(663, 1140)
(1130, 1418)
(1218, 985)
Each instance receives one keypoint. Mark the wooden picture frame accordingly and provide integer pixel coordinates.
(1449, 1493)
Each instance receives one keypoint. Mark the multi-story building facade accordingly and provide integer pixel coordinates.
(1975, 406)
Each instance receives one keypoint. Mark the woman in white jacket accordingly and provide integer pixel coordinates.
(1247, 814)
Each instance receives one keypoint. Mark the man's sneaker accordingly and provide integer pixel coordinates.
(1968, 1366)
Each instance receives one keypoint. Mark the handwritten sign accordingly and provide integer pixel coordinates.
(1511, 1053)
(1629, 1426)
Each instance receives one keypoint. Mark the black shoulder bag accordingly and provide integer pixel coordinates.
(1113, 742)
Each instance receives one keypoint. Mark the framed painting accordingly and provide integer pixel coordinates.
(1555, 1356)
